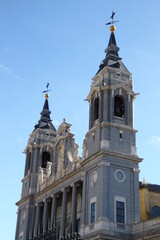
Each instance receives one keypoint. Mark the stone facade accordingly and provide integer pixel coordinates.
(96, 196)
(149, 201)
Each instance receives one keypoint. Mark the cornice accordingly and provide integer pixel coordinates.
(23, 200)
(119, 126)
(120, 85)
(112, 154)
(60, 181)
(108, 124)
(92, 129)
(110, 70)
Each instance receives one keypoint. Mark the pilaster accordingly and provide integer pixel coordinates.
(37, 219)
(83, 212)
(64, 213)
(54, 211)
(74, 208)
(45, 216)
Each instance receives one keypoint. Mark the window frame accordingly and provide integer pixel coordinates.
(93, 208)
(92, 203)
(122, 200)
(96, 108)
(120, 102)
(155, 211)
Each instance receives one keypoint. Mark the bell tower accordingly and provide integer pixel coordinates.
(38, 167)
(111, 100)
(110, 143)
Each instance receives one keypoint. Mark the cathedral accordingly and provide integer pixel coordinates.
(97, 196)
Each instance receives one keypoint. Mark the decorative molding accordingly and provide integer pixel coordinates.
(94, 177)
(83, 176)
(118, 125)
(120, 175)
(136, 170)
(105, 164)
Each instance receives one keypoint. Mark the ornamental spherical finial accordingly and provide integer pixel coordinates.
(46, 96)
(112, 28)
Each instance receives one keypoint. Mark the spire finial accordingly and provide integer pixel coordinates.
(46, 91)
(112, 27)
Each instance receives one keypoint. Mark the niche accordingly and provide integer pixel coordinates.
(45, 159)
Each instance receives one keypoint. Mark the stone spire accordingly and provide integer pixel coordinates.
(112, 58)
(112, 49)
(45, 122)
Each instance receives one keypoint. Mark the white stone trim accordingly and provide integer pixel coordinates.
(94, 177)
(136, 170)
(134, 150)
(105, 164)
(105, 144)
(124, 176)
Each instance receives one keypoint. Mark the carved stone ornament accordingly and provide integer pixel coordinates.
(23, 215)
(60, 158)
(94, 178)
(64, 128)
(119, 175)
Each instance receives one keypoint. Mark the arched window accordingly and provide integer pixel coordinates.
(155, 211)
(119, 108)
(96, 109)
(45, 159)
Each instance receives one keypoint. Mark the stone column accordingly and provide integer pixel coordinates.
(17, 225)
(37, 220)
(132, 111)
(136, 207)
(83, 210)
(74, 208)
(105, 106)
(33, 182)
(35, 159)
(26, 164)
(100, 106)
(31, 225)
(32, 157)
(45, 216)
(64, 213)
(111, 105)
(40, 157)
(54, 211)
(91, 112)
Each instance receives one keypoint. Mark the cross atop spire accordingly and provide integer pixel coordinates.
(112, 27)
(112, 58)
(46, 91)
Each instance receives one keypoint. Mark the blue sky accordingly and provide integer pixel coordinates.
(63, 42)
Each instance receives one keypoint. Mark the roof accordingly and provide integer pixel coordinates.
(45, 122)
(112, 58)
(151, 187)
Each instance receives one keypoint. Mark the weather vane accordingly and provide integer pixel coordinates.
(112, 27)
(46, 91)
